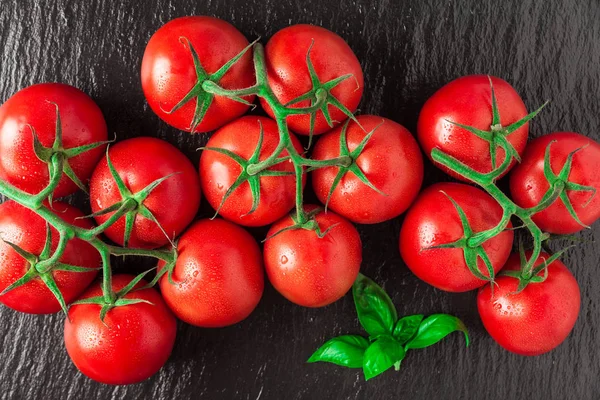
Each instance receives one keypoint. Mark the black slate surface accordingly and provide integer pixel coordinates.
(547, 50)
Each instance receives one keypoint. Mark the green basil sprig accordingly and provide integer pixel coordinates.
(389, 339)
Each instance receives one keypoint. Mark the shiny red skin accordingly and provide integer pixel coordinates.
(528, 183)
(132, 343)
(468, 101)
(26, 229)
(432, 220)
(289, 78)
(391, 161)
(536, 320)
(218, 278)
(139, 162)
(312, 271)
(218, 172)
(82, 123)
(168, 71)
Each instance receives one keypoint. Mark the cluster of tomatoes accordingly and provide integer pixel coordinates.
(216, 277)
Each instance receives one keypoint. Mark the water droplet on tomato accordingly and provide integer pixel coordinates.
(220, 186)
(284, 259)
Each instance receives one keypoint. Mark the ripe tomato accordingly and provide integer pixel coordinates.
(312, 271)
(218, 172)
(468, 101)
(537, 319)
(82, 124)
(289, 76)
(169, 74)
(528, 183)
(26, 229)
(139, 162)
(391, 161)
(132, 343)
(218, 278)
(433, 220)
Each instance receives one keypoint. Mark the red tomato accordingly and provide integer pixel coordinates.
(26, 229)
(82, 124)
(312, 271)
(289, 77)
(468, 101)
(168, 71)
(536, 320)
(391, 161)
(139, 162)
(528, 183)
(433, 220)
(218, 172)
(218, 278)
(132, 343)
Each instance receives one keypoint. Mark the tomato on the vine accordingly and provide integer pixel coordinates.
(537, 319)
(172, 78)
(218, 278)
(390, 161)
(34, 109)
(132, 343)
(219, 172)
(289, 75)
(309, 270)
(173, 203)
(529, 184)
(27, 230)
(468, 101)
(433, 220)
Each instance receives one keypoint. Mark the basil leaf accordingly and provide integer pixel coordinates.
(375, 309)
(434, 328)
(346, 350)
(406, 327)
(381, 356)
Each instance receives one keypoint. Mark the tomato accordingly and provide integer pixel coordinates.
(132, 343)
(139, 162)
(537, 319)
(218, 172)
(528, 183)
(391, 161)
(289, 77)
(468, 101)
(433, 220)
(312, 271)
(26, 229)
(218, 278)
(31, 108)
(168, 72)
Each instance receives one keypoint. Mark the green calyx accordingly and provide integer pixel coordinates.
(131, 204)
(43, 265)
(57, 157)
(350, 165)
(204, 82)
(390, 338)
(309, 223)
(472, 249)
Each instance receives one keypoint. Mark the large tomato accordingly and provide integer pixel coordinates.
(82, 124)
(139, 162)
(528, 184)
(130, 345)
(218, 172)
(535, 320)
(169, 74)
(468, 101)
(26, 229)
(218, 278)
(309, 270)
(289, 77)
(433, 220)
(391, 161)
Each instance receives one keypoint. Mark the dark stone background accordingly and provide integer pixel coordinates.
(547, 50)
